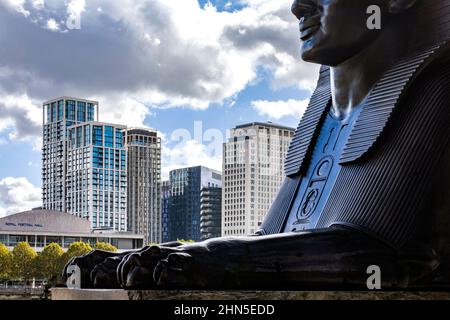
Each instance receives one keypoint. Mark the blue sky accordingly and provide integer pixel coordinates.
(163, 64)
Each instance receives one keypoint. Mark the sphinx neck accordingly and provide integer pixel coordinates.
(352, 80)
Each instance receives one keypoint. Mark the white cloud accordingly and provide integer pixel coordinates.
(76, 7)
(18, 194)
(52, 25)
(187, 55)
(17, 5)
(38, 4)
(290, 71)
(280, 109)
(188, 154)
(21, 115)
(135, 55)
(122, 110)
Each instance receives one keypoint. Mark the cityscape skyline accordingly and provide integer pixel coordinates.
(93, 117)
(106, 173)
(110, 175)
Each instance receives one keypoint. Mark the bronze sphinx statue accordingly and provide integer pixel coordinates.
(367, 174)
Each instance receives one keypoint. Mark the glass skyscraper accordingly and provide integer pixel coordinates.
(96, 183)
(58, 115)
(184, 203)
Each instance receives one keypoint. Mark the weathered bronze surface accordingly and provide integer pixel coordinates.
(367, 175)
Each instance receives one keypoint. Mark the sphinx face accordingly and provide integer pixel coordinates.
(333, 31)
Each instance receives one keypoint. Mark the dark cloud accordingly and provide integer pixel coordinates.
(170, 52)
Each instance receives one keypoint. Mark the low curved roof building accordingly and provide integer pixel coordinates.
(41, 227)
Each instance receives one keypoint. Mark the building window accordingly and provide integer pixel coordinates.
(72, 138)
(4, 239)
(97, 159)
(68, 241)
(54, 112)
(87, 135)
(60, 110)
(70, 110)
(97, 136)
(119, 139)
(90, 112)
(14, 240)
(81, 111)
(79, 136)
(54, 240)
(40, 241)
(109, 135)
(49, 113)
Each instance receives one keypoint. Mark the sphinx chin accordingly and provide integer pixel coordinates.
(316, 56)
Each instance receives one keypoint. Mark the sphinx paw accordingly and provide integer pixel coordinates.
(81, 268)
(104, 275)
(180, 270)
(136, 270)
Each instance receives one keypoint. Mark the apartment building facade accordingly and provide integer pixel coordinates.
(253, 170)
(96, 186)
(144, 183)
(58, 116)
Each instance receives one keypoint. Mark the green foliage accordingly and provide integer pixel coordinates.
(48, 263)
(5, 262)
(23, 261)
(105, 247)
(76, 249)
(186, 241)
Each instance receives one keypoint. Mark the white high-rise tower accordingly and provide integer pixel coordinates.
(253, 170)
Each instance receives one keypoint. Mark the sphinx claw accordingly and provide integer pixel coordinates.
(178, 261)
(160, 267)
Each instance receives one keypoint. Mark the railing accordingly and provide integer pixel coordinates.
(10, 285)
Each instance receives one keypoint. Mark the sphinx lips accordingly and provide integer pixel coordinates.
(309, 32)
(309, 26)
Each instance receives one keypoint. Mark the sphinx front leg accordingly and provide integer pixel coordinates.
(318, 259)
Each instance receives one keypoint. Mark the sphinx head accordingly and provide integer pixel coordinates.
(334, 31)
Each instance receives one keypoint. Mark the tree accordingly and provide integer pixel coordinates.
(105, 246)
(76, 249)
(186, 241)
(23, 261)
(49, 262)
(5, 262)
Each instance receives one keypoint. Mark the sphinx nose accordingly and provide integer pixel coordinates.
(300, 8)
